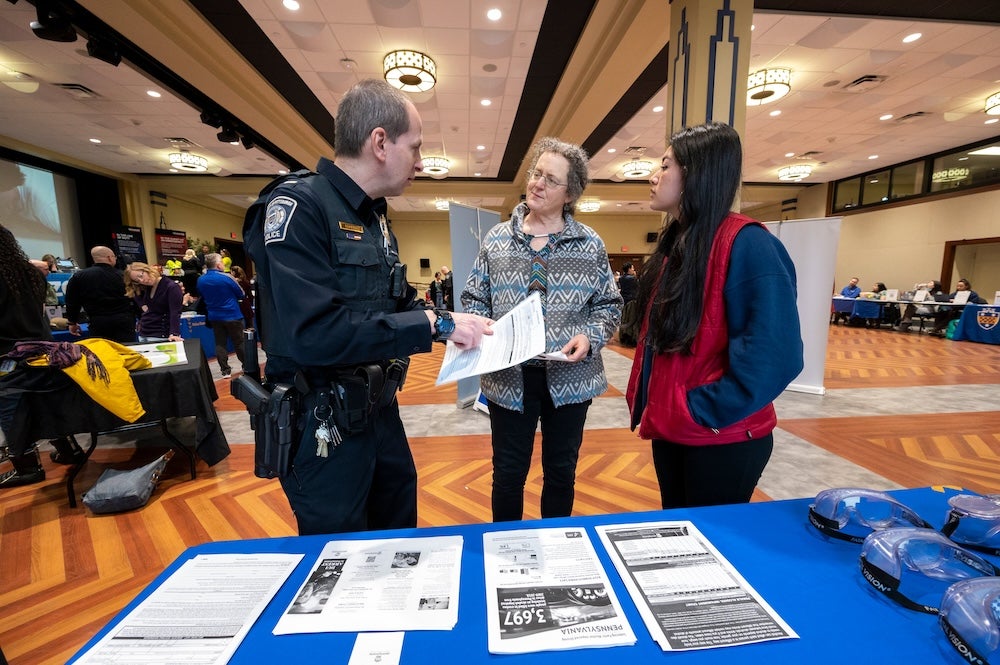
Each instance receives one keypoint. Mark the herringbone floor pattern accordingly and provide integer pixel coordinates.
(66, 572)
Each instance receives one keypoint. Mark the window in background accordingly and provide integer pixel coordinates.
(875, 188)
(847, 194)
(907, 180)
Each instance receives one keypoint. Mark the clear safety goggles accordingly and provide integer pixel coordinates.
(970, 618)
(974, 521)
(851, 513)
(915, 566)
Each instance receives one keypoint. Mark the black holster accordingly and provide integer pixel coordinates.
(274, 421)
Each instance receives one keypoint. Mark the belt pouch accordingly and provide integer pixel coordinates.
(349, 399)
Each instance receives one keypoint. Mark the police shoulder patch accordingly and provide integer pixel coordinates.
(277, 218)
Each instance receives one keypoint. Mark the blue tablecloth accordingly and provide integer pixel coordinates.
(812, 582)
(979, 323)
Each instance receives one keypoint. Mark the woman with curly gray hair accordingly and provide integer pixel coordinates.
(543, 249)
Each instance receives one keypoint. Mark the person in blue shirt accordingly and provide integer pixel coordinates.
(852, 290)
(222, 296)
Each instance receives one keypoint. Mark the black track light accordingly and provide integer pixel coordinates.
(211, 118)
(228, 135)
(247, 141)
(51, 26)
(104, 50)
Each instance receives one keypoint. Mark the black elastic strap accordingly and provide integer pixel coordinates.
(887, 584)
(964, 649)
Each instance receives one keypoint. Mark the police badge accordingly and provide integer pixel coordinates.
(276, 219)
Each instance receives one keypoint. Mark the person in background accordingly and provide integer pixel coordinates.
(627, 283)
(710, 361)
(437, 290)
(324, 319)
(246, 305)
(222, 296)
(100, 291)
(22, 318)
(933, 288)
(158, 301)
(50, 262)
(172, 266)
(227, 261)
(191, 267)
(543, 249)
(448, 288)
(852, 290)
(201, 254)
(945, 315)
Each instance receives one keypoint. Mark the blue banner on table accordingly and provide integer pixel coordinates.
(979, 323)
(127, 242)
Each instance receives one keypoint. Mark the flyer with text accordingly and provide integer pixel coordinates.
(546, 590)
(688, 594)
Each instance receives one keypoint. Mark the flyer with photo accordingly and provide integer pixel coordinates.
(379, 585)
(546, 590)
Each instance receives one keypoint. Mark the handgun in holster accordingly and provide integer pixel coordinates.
(272, 409)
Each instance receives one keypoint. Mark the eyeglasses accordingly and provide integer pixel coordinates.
(550, 182)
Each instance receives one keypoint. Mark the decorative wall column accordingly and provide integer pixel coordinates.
(709, 57)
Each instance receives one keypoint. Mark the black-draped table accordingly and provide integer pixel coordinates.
(44, 403)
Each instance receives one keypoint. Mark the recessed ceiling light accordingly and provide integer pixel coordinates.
(154, 94)
(612, 150)
(494, 14)
(962, 159)
(95, 140)
(485, 102)
(292, 5)
(657, 109)
(991, 121)
(477, 173)
(775, 113)
(789, 154)
(887, 116)
(282, 171)
(912, 37)
(872, 156)
(480, 147)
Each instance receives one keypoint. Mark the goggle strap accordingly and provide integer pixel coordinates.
(887, 584)
(961, 646)
(952, 524)
(831, 528)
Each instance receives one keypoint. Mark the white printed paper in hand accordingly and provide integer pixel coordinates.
(688, 594)
(546, 590)
(517, 336)
(379, 585)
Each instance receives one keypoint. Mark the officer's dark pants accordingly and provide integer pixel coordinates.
(513, 442)
(231, 331)
(368, 482)
(118, 328)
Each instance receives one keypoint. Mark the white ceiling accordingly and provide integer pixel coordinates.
(945, 75)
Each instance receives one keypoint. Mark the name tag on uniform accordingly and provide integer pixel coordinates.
(357, 228)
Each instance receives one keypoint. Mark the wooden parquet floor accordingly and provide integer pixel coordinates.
(66, 572)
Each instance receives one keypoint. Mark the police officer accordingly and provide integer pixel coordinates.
(333, 298)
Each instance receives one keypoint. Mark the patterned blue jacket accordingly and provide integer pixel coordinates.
(581, 297)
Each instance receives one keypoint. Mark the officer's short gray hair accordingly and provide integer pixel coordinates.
(212, 260)
(369, 104)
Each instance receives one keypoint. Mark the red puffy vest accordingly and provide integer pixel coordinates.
(666, 415)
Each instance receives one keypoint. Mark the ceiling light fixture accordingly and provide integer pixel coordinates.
(993, 104)
(768, 85)
(410, 71)
(436, 167)
(442, 204)
(17, 80)
(186, 161)
(795, 172)
(104, 50)
(637, 168)
(228, 135)
(589, 205)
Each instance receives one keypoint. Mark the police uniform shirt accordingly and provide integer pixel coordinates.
(328, 277)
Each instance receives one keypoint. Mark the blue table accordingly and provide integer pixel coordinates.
(812, 582)
(979, 323)
(863, 308)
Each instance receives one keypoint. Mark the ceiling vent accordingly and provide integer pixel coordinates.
(180, 142)
(864, 83)
(911, 117)
(635, 150)
(811, 154)
(78, 91)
